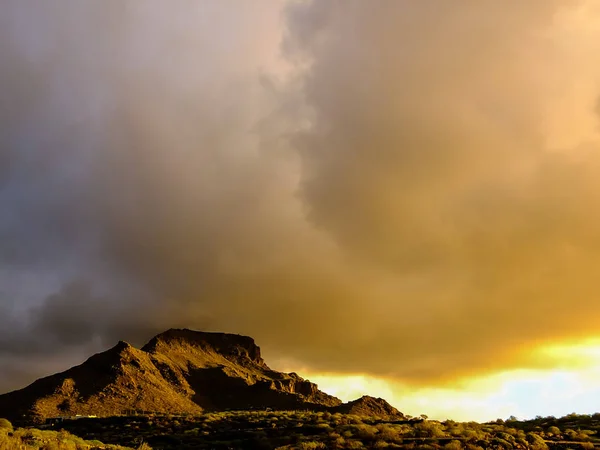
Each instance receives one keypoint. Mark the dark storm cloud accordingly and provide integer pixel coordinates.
(370, 203)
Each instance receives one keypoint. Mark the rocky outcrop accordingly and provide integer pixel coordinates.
(235, 348)
(372, 407)
(113, 382)
(178, 371)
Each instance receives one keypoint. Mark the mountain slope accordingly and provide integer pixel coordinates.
(179, 371)
(370, 406)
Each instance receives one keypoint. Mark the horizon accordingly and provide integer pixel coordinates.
(396, 199)
(351, 387)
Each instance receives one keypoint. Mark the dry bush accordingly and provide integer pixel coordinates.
(5, 424)
(31, 438)
(312, 445)
(453, 445)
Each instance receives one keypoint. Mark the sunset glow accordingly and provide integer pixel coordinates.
(573, 387)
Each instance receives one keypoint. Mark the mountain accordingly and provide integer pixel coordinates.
(369, 406)
(177, 372)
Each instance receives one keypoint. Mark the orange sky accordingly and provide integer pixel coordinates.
(571, 386)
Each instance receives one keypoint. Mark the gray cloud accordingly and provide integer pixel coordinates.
(370, 201)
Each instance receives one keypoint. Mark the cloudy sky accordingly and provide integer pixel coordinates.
(395, 197)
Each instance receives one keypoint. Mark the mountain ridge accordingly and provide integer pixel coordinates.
(179, 371)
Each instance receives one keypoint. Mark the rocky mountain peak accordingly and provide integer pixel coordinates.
(178, 371)
(231, 346)
(370, 406)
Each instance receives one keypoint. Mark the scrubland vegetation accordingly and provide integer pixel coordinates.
(314, 430)
(31, 438)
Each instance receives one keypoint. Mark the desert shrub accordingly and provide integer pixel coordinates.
(501, 443)
(536, 442)
(51, 446)
(353, 418)
(473, 447)
(505, 437)
(312, 445)
(455, 429)
(387, 432)
(519, 434)
(324, 426)
(522, 442)
(587, 433)
(347, 434)
(583, 435)
(337, 417)
(5, 424)
(453, 445)
(339, 442)
(48, 440)
(587, 445)
(429, 429)
(366, 432)
(571, 434)
(472, 433)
